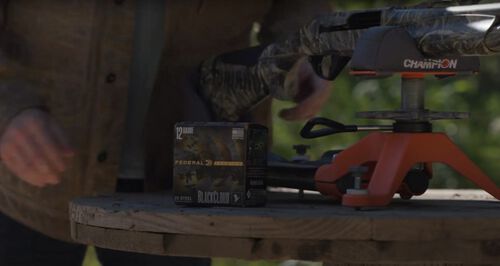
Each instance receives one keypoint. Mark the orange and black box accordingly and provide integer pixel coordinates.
(220, 164)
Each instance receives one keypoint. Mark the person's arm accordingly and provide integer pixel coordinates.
(32, 145)
(233, 86)
(233, 83)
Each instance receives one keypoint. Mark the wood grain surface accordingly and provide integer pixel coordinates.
(444, 226)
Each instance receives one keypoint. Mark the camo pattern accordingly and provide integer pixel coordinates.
(209, 142)
(205, 145)
(233, 89)
(437, 31)
(316, 39)
(222, 158)
(275, 67)
(441, 33)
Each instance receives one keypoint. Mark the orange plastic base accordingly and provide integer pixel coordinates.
(391, 156)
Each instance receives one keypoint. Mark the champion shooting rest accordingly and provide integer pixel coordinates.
(399, 159)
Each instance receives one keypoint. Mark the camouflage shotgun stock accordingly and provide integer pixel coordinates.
(329, 41)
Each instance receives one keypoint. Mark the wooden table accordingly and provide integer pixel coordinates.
(461, 227)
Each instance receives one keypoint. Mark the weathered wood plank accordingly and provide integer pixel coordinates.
(451, 252)
(285, 217)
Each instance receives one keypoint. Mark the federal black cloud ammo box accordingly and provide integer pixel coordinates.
(220, 164)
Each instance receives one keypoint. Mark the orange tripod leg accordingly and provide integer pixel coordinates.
(365, 151)
(393, 164)
(395, 154)
(442, 149)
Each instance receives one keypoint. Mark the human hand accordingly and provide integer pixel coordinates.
(35, 149)
(313, 93)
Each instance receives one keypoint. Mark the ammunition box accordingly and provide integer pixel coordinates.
(220, 164)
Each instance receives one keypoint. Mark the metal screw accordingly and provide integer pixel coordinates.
(357, 172)
(301, 151)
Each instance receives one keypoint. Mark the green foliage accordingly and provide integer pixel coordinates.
(90, 257)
